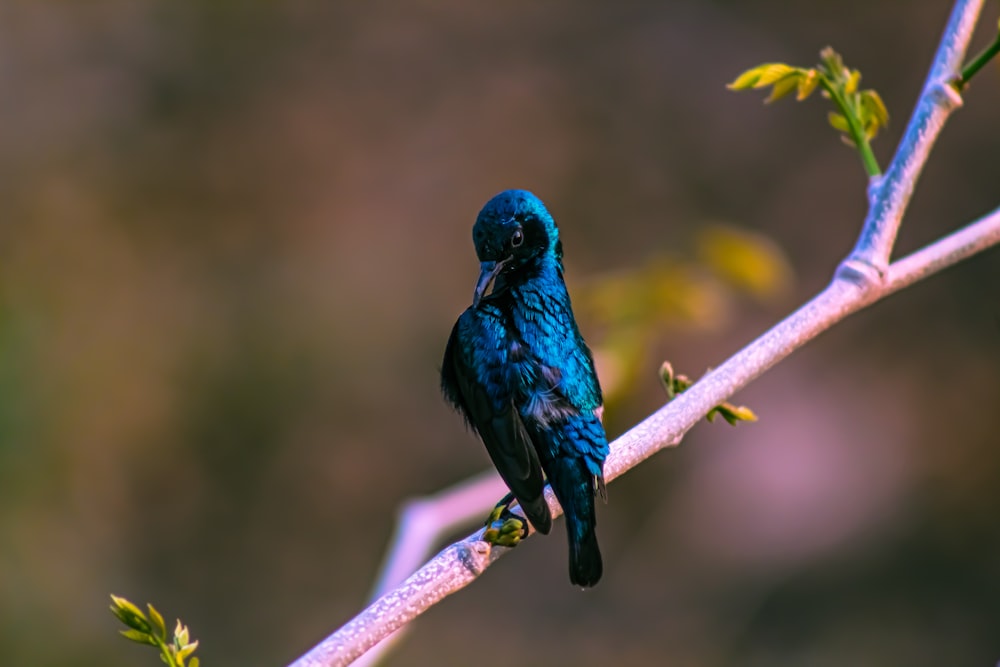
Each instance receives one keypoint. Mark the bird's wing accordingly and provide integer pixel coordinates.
(476, 391)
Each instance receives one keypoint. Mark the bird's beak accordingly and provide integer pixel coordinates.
(487, 272)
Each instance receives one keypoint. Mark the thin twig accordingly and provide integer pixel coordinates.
(977, 63)
(858, 135)
(941, 254)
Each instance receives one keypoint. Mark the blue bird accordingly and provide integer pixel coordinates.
(520, 374)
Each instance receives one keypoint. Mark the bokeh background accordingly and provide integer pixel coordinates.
(234, 236)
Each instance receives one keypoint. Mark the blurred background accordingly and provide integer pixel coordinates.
(234, 237)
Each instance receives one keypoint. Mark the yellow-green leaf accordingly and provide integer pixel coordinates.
(783, 86)
(732, 414)
(878, 106)
(873, 112)
(760, 76)
(771, 73)
(138, 636)
(126, 606)
(838, 121)
(743, 413)
(851, 85)
(667, 378)
(180, 634)
(157, 620)
(186, 651)
(129, 614)
(745, 80)
(807, 84)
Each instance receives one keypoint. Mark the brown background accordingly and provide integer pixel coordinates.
(233, 239)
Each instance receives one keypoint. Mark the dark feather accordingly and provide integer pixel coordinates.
(573, 484)
(501, 430)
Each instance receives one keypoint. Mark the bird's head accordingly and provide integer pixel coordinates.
(513, 232)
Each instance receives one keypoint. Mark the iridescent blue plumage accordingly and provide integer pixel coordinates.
(518, 370)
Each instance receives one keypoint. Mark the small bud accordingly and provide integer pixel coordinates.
(129, 614)
(180, 634)
(157, 621)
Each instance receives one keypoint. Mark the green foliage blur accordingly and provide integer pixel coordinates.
(625, 311)
(234, 237)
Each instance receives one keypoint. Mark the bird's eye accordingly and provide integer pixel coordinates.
(517, 238)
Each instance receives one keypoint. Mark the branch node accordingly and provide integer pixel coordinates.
(862, 273)
(474, 556)
(945, 95)
(875, 184)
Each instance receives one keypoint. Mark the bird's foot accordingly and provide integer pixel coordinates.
(503, 527)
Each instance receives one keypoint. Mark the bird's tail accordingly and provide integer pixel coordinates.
(573, 484)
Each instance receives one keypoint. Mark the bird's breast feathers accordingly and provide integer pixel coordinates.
(543, 368)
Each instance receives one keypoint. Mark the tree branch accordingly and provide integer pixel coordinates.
(421, 525)
(864, 278)
(941, 254)
(890, 194)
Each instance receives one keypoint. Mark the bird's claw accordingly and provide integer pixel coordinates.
(505, 528)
